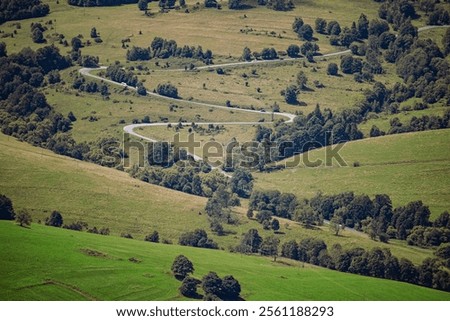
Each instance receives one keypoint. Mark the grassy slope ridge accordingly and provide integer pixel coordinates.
(408, 167)
(40, 181)
(44, 263)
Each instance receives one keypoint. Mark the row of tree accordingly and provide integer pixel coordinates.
(22, 9)
(163, 49)
(376, 262)
(99, 3)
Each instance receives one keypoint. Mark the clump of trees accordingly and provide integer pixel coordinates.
(197, 238)
(55, 219)
(214, 287)
(168, 90)
(377, 262)
(163, 49)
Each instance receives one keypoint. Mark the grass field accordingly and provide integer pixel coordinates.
(218, 30)
(39, 181)
(44, 263)
(408, 167)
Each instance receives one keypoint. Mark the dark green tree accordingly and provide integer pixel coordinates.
(6, 208)
(305, 32)
(293, 51)
(212, 284)
(188, 287)
(363, 27)
(94, 32)
(269, 247)
(301, 80)
(37, 36)
(234, 4)
(241, 182)
(275, 224)
(181, 267)
(55, 219)
(154, 237)
(251, 242)
(231, 289)
(332, 69)
(321, 25)
(290, 95)
(246, 54)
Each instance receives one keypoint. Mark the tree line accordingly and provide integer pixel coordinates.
(99, 3)
(22, 9)
(163, 49)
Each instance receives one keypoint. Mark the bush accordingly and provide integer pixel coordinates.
(154, 237)
(126, 235)
(23, 218)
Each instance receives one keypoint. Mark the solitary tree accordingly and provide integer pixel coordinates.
(94, 32)
(305, 32)
(332, 69)
(301, 80)
(246, 54)
(290, 95)
(181, 267)
(55, 219)
(23, 218)
(37, 36)
(293, 51)
(6, 208)
(275, 225)
(337, 223)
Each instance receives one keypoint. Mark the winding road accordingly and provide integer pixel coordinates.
(289, 117)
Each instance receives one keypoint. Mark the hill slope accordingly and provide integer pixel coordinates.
(41, 181)
(45, 263)
(408, 167)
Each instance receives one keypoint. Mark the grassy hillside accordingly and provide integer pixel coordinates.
(408, 167)
(44, 263)
(40, 181)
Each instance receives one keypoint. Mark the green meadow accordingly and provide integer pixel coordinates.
(45, 263)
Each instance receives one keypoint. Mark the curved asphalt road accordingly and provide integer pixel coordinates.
(290, 117)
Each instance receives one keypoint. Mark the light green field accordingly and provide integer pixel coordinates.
(408, 167)
(45, 263)
(39, 181)
(218, 30)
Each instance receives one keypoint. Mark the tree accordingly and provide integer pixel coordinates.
(297, 24)
(251, 242)
(269, 54)
(181, 267)
(3, 49)
(154, 237)
(363, 27)
(446, 42)
(234, 4)
(212, 284)
(246, 54)
(167, 90)
(141, 90)
(290, 250)
(55, 219)
(337, 222)
(332, 69)
(76, 43)
(293, 51)
(301, 80)
(23, 218)
(37, 36)
(188, 287)
(143, 5)
(269, 247)
(321, 25)
(231, 289)
(241, 182)
(334, 28)
(94, 32)
(275, 224)
(290, 95)
(305, 32)
(6, 208)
